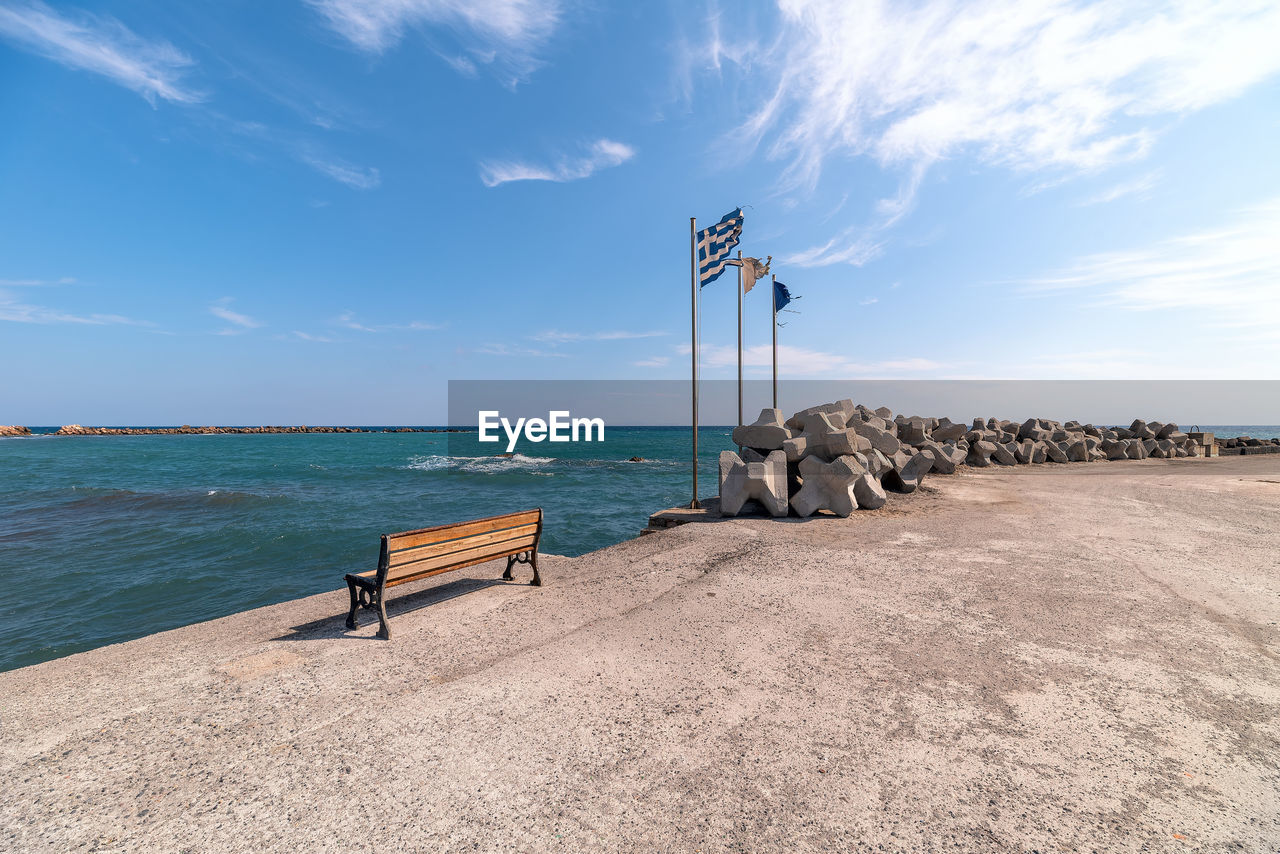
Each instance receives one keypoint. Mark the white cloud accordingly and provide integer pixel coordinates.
(348, 319)
(1228, 273)
(36, 283)
(869, 301)
(556, 337)
(1140, 187)
(13, 311)
(240, 322)
(506, 32)
(854, 246)
(803, 362)
(601, 154)
(1031, 85)
(653, 362)
(507, 350)
(1107, 364)
(101, 45)
(319, 339)
(358, 177)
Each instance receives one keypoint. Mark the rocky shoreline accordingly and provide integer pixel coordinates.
(186, 429)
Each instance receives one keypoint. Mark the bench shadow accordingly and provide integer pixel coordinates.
(336, 626)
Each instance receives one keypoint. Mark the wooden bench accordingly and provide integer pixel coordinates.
(411, 555)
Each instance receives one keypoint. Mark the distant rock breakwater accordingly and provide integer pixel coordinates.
(186, 429)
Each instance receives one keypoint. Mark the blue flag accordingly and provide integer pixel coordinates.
(715, 244)
(781, 296)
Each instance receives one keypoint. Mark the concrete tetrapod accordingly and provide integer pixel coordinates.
(907, 477)
(821, 437)
(828, 486)
(765, 481)
(942, 462)
(869, 492)
(766, 434)
(839, 413)
(881, 440)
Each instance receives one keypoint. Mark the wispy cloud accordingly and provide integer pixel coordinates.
(299, 146)
(802, 362)
(1140, 187)
(553, 336)
(1056, 85)
(239, 322)
(855, 246)
(357, 177)
(318, 339)
(1230, 271)
(504, 33)
(348, 320)
(859, 244)
(154, 69)
(36, 283)
(1116, 363)
(14, 311)
(508, 350)
(101, 45)
(653, 362)
(869, 301)
(601, 154)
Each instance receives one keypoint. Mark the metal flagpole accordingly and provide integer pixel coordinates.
(773, 300)
(693, 295)
(739, 337)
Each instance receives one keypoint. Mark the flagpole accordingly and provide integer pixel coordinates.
(693, 296)
(739, 337)
(773, 300)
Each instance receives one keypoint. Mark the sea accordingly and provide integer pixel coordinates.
(108, 538)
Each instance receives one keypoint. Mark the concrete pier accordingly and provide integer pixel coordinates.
(1013, 659)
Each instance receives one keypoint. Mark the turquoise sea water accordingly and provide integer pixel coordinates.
(108, 538)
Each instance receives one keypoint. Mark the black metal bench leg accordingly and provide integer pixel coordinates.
(384, 628)
(353, 622)
(511, 561)
(537, 579)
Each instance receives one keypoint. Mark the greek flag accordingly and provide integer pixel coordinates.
(715, 244)
(781, 296)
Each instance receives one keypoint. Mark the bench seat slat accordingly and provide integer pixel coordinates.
(442, 569)
(370, 577)
(413, 555)
(488, 551)
(441, 533)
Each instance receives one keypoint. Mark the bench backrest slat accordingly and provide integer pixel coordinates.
(441, 533)
(415, 554)
(401, 557)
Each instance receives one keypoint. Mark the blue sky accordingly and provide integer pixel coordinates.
(319, 212)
